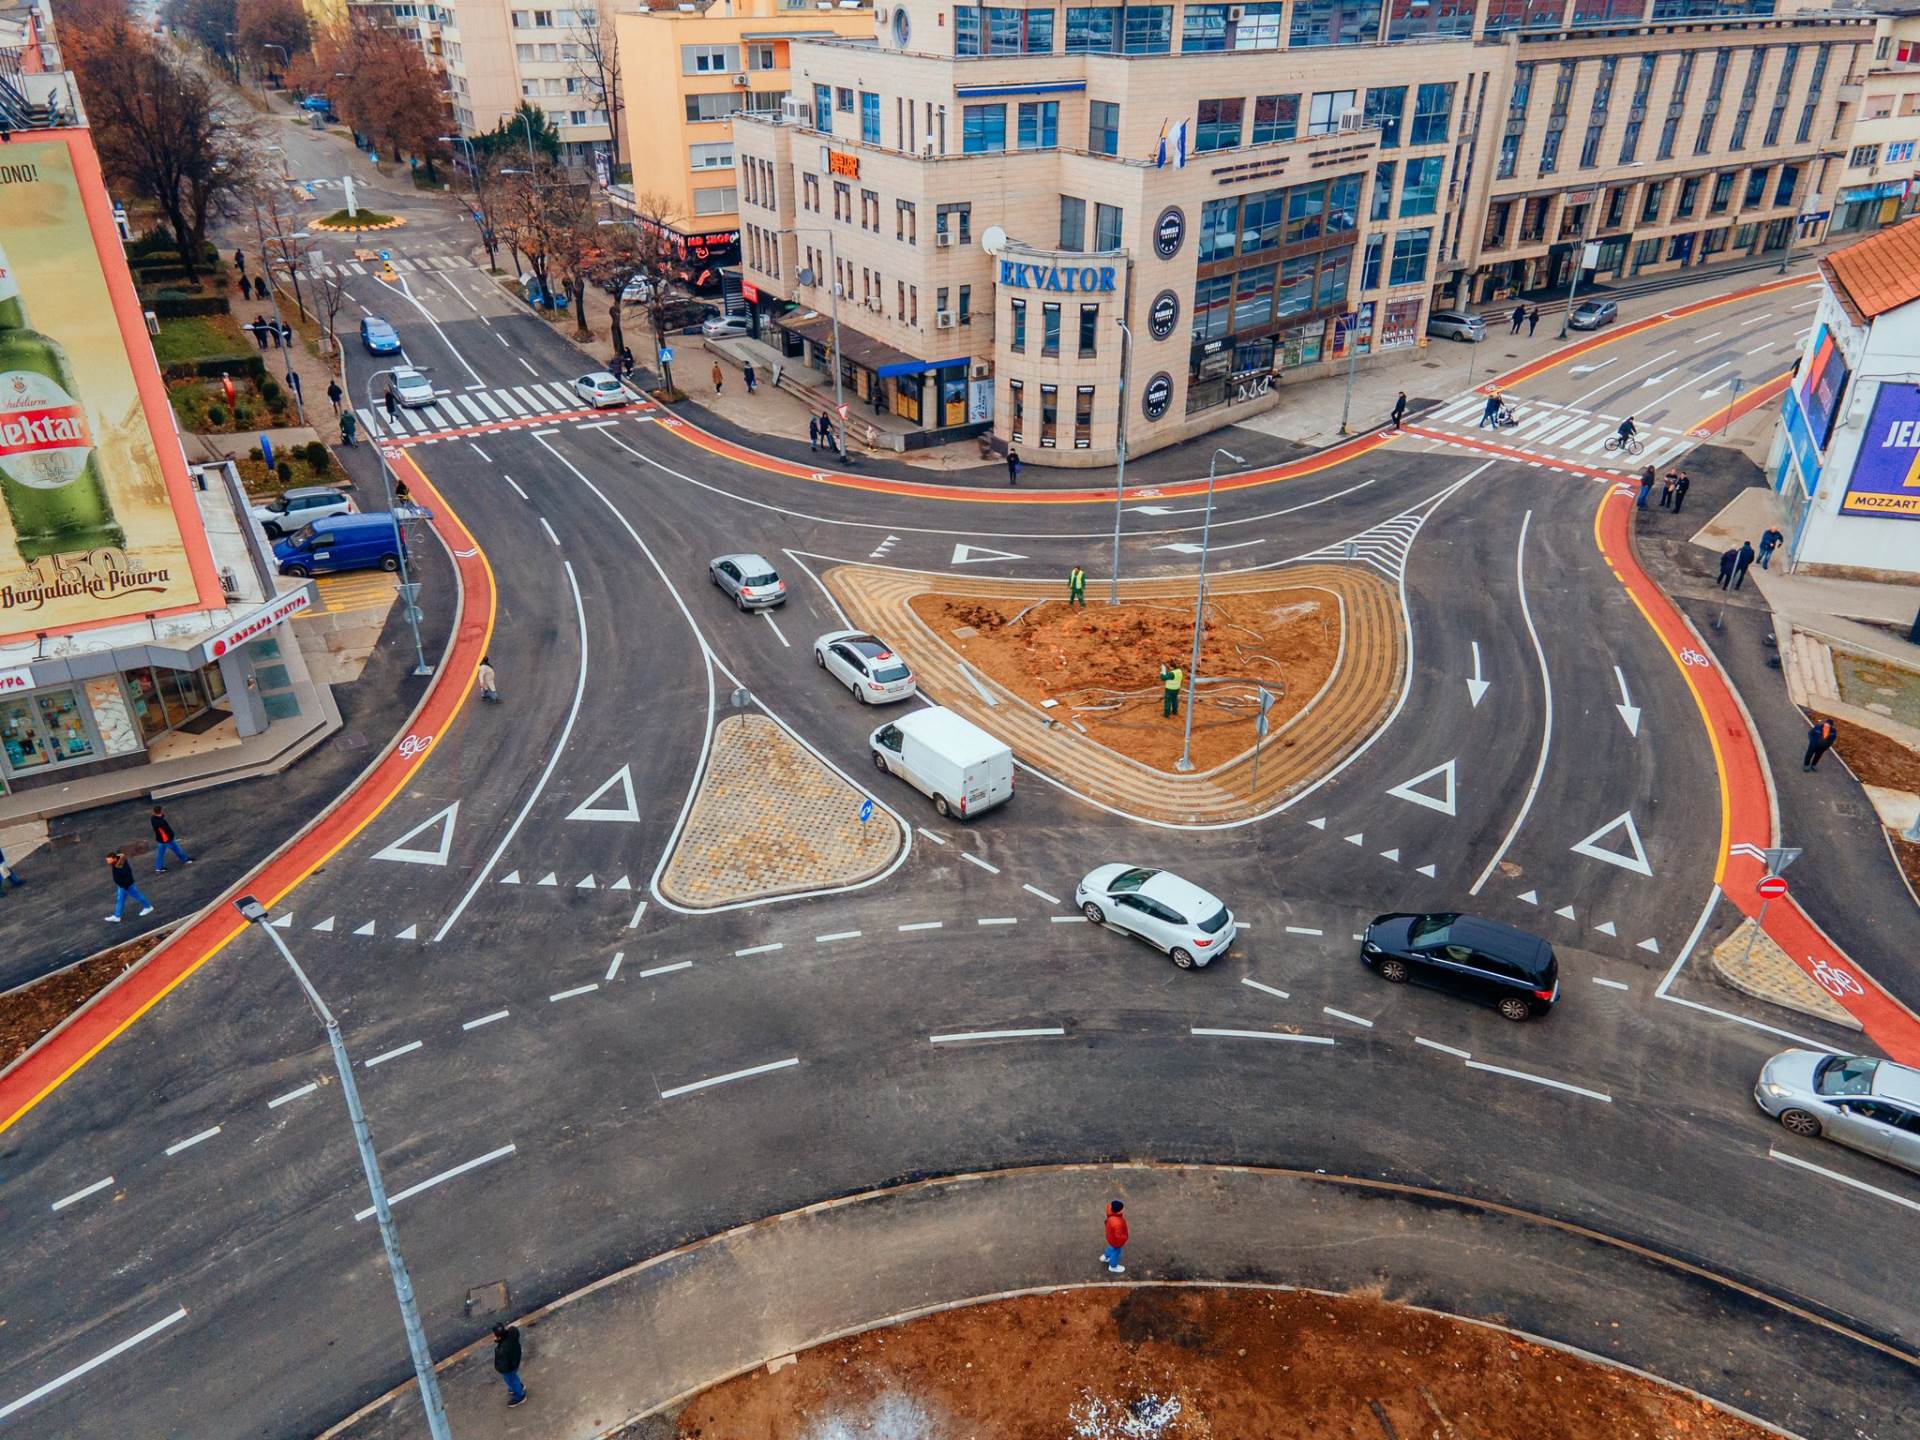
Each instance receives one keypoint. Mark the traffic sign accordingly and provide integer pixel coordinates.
(666, 355)
(842, 408)
(1772, 888)
(866, 811)
(1780, 857)
(386, 255)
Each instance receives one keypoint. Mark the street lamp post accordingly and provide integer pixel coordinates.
(1120, 445)
(833, 296)
(1185, 762)
(256, 915)
(285, 59)
(421, 666)
(1586, 235)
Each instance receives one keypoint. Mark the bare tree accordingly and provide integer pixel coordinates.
(598, 70)
(389, 91)
(548, 218)
(642, 250)
(329, 299)
(275, 225)
(485, 194)
(272, 33)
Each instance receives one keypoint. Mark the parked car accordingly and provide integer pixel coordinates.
(947, 758)
(1457, 325)
(1592, 314)
(536, 294)
(727, 327)
(601, 389)
(1190, 924)
(346, 542)
(318, 105)
(749, 579)
(638, 291)
(1496, 964)
(302, 505)
(865, 665)
(685, 317)
(1872, 1105)
(379, 337)
(413, 388)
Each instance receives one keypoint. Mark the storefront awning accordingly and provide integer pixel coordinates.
(875, 355)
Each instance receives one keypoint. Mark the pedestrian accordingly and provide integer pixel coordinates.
(240, 263)
(1680, 491)
(1519, 318)
(1116, 1237)
(293, 384)
(124, 887)
(164, 839)
(718, 377)
(506, 1361)
(286, 334)
(753, 380)
(1742, 564)
(1533, 321)
(1399, 409)
(1819, 740)
(813, 432)
(1170, 678)
(6, 871)
(1490, 412)
(1013, 465)
(393, 406)
(258, 329)
(489, 685)
(347, 426)
(333, 395)
(1646, 488)
(626, 359)
(401, 494)
(1728, 559)
(1771, 539)
(1666, 489)
(260, 291)
(879, 398)
(1077, 587)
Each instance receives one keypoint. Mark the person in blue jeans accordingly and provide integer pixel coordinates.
(506, 1360)
(124, 887)
(164, 840)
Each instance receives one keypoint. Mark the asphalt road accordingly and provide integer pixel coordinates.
(526, 1075)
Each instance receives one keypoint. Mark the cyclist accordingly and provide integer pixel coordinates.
(1627, 433)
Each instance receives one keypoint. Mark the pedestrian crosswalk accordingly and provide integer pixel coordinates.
(1550, 432)
(405, 264)
(496, 408)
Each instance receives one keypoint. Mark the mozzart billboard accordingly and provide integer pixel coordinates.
(99, 522)
(1886, 475)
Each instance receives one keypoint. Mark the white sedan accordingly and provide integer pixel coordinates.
(411, 387)
(1192, 926)
(865, 665)
(600, 389)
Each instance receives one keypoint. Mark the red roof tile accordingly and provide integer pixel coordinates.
(1879, 274)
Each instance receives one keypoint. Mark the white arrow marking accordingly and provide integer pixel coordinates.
(366, 929)
(1444, 802)
(412, 932)
(548, 879)
(621, 884)
(1532, 897)
(285, 922)
(326, 924)
(629, 809)
(1356, 839)
(1393, 855)
(1186, 547)
(1565, 910)
(1651, 945)
(1589, 369)
(512, 877)
(979, 555)
(1319, 824)
(1427, 870)
(415, 855)
(1629, 711)
(1605, 927)
(586, 884)
(1477, 686)
(1636, 862)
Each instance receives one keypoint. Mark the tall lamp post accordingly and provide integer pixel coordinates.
(286, 60)
(256, 915)
(1120, 445)
(1185, 762)
(833, 295)
(1586, 235)
(421, 666)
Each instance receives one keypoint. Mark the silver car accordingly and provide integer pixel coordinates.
(866, 665)
(727, 327)
(1175, 915)
(411, 387)
(749, 579)
(1457, 325)
(1872, 1105)
(302, 505)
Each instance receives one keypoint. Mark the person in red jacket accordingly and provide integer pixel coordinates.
(1116, 1237)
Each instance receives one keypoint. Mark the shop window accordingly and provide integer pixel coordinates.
(25, 749)
(1083, 418)
(1049, 416)
(63, 722)
(1016, 410)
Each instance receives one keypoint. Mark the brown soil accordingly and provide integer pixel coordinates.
(1180, 1364)
(1102, 663)
(1877, 760)
(31, 1011)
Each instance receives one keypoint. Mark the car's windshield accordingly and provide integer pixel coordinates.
(1215, 922)
(1845, 1075)
(1432, 929)
(1128, 880)
(887, 674)
(768, 578)
(302, 536)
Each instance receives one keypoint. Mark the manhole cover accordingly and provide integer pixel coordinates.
(487, 1299)
(353, 740)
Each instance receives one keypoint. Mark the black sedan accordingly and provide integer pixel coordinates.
(1497, 965)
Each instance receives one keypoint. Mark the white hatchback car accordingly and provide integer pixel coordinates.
(411, 387)
(865, 665)
(600, 389)
(727, 327)
(1191, 925)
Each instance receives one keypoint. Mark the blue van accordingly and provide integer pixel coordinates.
(341, 542)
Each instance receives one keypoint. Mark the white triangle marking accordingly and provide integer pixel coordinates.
(366, 929)
(1637, 862)
(1649, 944)
(326, 924)
(285, 922)
(1319, 824)
(548, 879)
(1605, 927)
(586, 884)
(1532, 897)
(621, 884)
(1393, 855)
(629, 809)
(978, 554)
(414, 855)
(1356, 839)
(412, 932)
(512, 877)
(1444, 803)
(1565, 911)
(1426, 870)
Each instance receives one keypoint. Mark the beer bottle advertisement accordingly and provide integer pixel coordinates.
(95, 525)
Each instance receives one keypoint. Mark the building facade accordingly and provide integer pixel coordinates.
(496, 55)
(1877, 185)
(1331, 173)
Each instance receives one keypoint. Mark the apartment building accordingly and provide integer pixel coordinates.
(1877, 185)
(420, 22)
(497, 55)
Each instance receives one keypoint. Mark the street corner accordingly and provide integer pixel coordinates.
(1300, 665)
(770, 818)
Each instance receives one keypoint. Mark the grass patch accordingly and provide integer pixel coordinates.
(199, 337)
(263, 484)
(366, 219)
(201, 407)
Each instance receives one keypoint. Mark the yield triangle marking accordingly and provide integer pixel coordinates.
(548, 879)
(1319, 824)
(1651, 945)
(412, 932)
(1393, 855)
(285, 922)
(512, 877)
(621, 884)
(586, 884)
(415, 855)
(1636, 862)
(1427, 870)
(366, 929)
(1532, 897)
(1356, 839)
(1566, 912)
(1605, 927)
(326, 924)
(979, 554)
(628, 809)
(1443, 802)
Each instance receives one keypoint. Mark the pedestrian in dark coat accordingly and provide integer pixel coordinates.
(1646, 488)
(753, 380)
(260, 287)
(1399, 409)
(1742, 563)
(347, 426)
(1728, 559)
(258, 329)
(1667, 483)
(828, 439)
(124, 888)
(1116, 1233)
(1519, 318)
(393, 406)
(1013, 466)
(164, 839)
(506, 1361)
(1680, 491)
(1770, 540)
(334, 395)
(1533, 321)
(813, 433)
(240, 263)
(1819, 740)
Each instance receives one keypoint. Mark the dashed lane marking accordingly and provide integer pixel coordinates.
(1611, 984)
(962, 1036)
(975, 859)
(1211, 1033)
(393, 1054)
(1540, 1080)
(997, 920)
(486, 1020)
(1848, 1180)
(576, 990)
(443, 1177)
(1344, 1015)
(1265, 989)
(759, 949)
(1050, 899)
(666, 969)
(836, 935)
(1303, 930)
(923, 925)
(731, 1076)
(192, 1140)
(279, 1100)
(79, 1195)
(1453, 1050)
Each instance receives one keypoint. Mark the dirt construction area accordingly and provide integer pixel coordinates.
(1098, 667)
(1164, 1363)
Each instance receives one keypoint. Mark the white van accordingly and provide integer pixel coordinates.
(960, 766)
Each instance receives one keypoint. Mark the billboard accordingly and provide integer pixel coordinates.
(1886, 474)
(98, 522)
(1820, 392)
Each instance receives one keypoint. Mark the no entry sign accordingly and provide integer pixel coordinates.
(1772, 888)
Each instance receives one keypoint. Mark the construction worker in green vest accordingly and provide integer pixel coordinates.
(1170, 681)
(1077, 587)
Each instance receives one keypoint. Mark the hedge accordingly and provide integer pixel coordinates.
(214, 366)
(172, 305)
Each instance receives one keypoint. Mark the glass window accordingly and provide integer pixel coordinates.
(1722, 193)
(1039, 124)
(1219, 124)
(1003, 30)
(1522, 14)
(1689, 194)
(869, 117)
(983, 129)
(1304, 206)
(1049, 415)
(1323, 117)
(966, 30)
(1343, 204)
(1106, 227)
(1815, 82)
(1083, 418)
(1093, 30)
(20, 737)
(1420, 191)
(1050, 328)
(1039, 32)
(1103, 127)
(1789, 62)
(1262, 221)
(1203, 28)
(1258, 27)
(1275, 118)
(1089, 328)
(1385, 107)
(64, 723)
(1432, 112)
(1382, 191)
(1073, 223)
(1212, 307)
(1149, 30)
(823, 108)
(1296, 286)
(1019, 339)
(1607, 12)
(1219, 223)
(1370, 262)
(1334, 22)
(1550, 151)
(1335, 270)
(1783, 190)
(1650, 202)
(1410, 249)
(1016, 409)
(1253, 297)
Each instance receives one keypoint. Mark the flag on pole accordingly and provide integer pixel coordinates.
(1160, 151)
(1180, 146)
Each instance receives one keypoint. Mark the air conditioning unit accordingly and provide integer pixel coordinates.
(1349, 121)
(1236, 13)
(153, 323)
(942, 238)
(982, 369)
(741, 79)
(796, 112)
(944, 320)
(229, 582)
(926, 150)
(839, 290)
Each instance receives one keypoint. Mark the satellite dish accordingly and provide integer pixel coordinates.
(993, 240)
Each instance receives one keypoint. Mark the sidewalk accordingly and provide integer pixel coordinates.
(646, 1338)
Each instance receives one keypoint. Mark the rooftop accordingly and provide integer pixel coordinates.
(1878, 274)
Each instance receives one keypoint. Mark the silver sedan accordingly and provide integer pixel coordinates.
(1872, 1105)
(1172, 914)
(749, 579)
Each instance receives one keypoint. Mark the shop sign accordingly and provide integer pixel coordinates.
(1169, 231)
(750, 292)
(1064, 278)
(1163, 315)
(251, 627)
(1886, 474)
(16, 680)
(847, 165)
(1158, 395)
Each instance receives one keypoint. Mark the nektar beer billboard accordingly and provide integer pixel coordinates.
(98, 521)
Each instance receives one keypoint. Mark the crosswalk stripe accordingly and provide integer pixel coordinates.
(356, 267)
(534, 402)
(556, 397)
(400, 262)
(1461, 411)
(367, 422)
(1595, 441)
(1663, 449)
(413, 421)
(1562, 427)
(486, 399)
(1539, 422)
(506, 398)
(478, 413)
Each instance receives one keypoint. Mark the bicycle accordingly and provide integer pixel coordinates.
(1620, 443)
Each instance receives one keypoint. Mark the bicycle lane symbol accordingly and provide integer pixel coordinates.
(1836, 980)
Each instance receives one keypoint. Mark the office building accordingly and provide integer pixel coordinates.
(1877, 185)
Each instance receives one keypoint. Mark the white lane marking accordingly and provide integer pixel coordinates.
(922, 925)
(1072, 920)
(997, 920)
(638, 911)
(1613, 380)
(277, 1102)
(1050, 899)
(1659, 400)
(576, 990)
(549, 529)
(931, 835)
(1261, 1035)
(442, 1178)
(486, 1020)
(1785, 1159)
(481, 453)
(1758, 348)
(836, 935)
(666, 969)
(394, 1054)
(95, 1363)
(746, 1074)
(1757, 320)
(1546, 725)
(1611, 984)
(614, 968)
(1443, 1049)
(1303, 930)
(1265, 989)
(975, 859)
(523, 361)
(516, 489)
(767, 615)
(553, 759)
(964, 1035)
(191, 1141)
(1539, 1080)
(78, 1195)
(1344, 1015)
(760, 949)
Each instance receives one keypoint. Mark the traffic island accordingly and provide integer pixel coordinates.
(1078, 692)
(771, 818)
